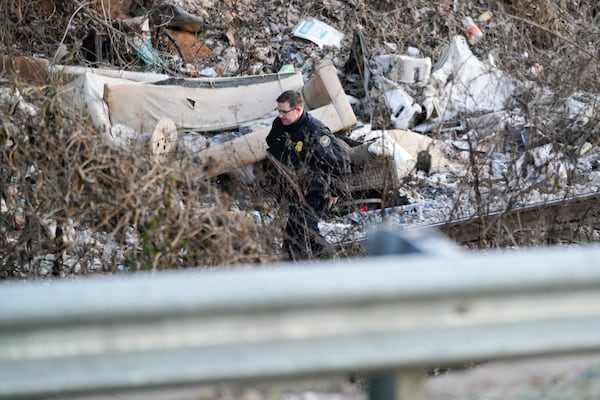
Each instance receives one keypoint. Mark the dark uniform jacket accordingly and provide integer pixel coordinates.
(312, 155)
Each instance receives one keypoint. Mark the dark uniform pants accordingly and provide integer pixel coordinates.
(303, 240)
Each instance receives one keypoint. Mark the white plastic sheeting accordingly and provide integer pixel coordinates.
(84, 93)
(403, 107)
(460, 82)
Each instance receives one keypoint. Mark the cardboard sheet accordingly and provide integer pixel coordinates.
(200, 104)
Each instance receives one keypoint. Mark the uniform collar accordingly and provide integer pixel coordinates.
(296, 125)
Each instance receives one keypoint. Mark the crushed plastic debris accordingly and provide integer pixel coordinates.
(474, 33)
(318, 32)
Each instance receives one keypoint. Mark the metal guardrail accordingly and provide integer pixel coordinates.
(378, 314)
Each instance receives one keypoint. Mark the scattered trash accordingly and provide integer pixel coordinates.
(536, 70)
(404, 147)
(474, 33)
(287, 68)
(413, 51)
(318, 32)
(208, 72)
(405, 69)
(403, 108)
(542, 165)
(190, 70)
(461, 82)
(47, 260)
(149, 56)
(462, 97)
(485, 17)
(581, 107)
(392, 46)
(400, 215)
(12, 98)
(145, 51)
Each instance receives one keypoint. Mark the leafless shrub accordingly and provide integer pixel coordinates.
(57, 175)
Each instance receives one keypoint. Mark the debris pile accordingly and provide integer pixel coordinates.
(115, 159)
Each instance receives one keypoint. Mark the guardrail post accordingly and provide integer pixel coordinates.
(402, 385)
(405, 384)
(383, 386)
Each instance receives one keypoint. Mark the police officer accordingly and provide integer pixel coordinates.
(312, 169)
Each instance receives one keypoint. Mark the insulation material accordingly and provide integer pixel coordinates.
(206, 104)
(85, 93)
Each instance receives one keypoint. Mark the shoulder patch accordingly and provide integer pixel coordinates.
(324, 140)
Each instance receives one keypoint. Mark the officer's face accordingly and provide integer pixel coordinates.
(288, 115)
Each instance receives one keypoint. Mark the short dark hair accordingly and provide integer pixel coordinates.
(292, 97)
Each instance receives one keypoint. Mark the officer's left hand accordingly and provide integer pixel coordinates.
(332, 201)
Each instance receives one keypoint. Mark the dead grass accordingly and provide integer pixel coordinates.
(58, 168)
